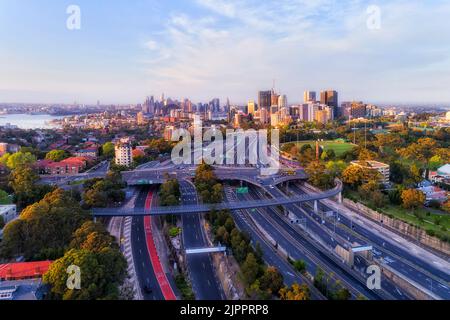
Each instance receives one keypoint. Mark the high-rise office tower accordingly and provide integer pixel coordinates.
(215, 105)
(330, 98)
(282, 101)
(263, 116)
(274, 108)
(237, 120)
(231, 114)
(274, 97)
(358, 110)
(251, 107)
(264, 99)
(309, 96)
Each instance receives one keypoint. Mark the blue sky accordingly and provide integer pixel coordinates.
(202, 49)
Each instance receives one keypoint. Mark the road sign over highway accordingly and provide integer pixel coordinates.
(242, 190)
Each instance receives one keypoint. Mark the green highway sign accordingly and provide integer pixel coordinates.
(242, 190)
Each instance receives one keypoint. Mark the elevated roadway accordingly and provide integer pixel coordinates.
(204, 208)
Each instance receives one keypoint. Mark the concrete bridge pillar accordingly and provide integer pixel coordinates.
(95, 219)
(340, 197)
(242, 183)
(316, 207)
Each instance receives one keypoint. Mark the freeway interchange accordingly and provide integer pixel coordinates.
(288, 220)
(312, 240)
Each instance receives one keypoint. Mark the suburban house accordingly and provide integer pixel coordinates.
(442, 175)
(69, 166)
(23, 281)
(91, 152)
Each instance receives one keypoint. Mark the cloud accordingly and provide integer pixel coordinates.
(238, 47)
(151, 45)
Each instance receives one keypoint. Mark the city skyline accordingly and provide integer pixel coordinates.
(211, 48)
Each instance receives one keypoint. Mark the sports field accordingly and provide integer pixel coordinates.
(339, 147)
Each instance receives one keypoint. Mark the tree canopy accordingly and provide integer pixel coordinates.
(45, 228)
(57, 155)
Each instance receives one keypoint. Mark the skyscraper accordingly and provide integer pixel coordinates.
(264, 99)
(149, 105)
(330, 98)
(309, 96)
(282, 101)
(358, 110)
(263, 115)
(251, 107)
(274, 98)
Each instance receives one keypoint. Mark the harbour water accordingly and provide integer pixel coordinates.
(28, 121)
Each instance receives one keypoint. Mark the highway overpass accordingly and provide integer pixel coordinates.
(204, 208)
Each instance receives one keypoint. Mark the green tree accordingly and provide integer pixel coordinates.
(250, 269)
(271, 280)
(300, 266)
(101, 192)
(23, 180)
(4, 198)
(108, 150)
(20, 159)
(421, 151)
(45, 228)
(101, 274)
(96, 198)
(169, 193)
(92, 236)
(318, 175)
(296, 292)
(342, 294)
(4, 159)
(412, 198)
(57, 155)
(206, 184)
(335, 168)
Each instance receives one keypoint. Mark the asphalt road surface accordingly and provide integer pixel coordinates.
(144, 270)
(201, 271)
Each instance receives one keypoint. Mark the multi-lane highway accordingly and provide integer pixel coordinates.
(426, 274)
(301, 247)
(200, 267)
(144, 271)
(271, 253)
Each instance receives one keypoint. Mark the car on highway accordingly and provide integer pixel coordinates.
(148, 289)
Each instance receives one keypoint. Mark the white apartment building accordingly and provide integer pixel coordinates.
(123, 152)
(8, 212)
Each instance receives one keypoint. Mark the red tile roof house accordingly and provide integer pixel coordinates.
(23, 270)
(69, 166)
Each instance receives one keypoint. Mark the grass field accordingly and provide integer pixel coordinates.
(338, 147)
